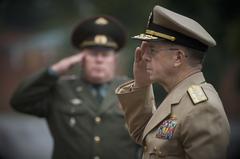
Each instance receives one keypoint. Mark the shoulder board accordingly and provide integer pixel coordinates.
(197, 94)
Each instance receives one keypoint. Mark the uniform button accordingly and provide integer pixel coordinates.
(160, 154)
(155, 149)
(145, 148)
(79, 89)
(97, 139)
(96, 157)
(98, 119)
(76, 101)
(72, 121)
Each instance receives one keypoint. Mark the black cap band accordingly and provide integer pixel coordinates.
(179, 38)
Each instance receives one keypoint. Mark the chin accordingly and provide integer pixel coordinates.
(152, 79)
(99, 80)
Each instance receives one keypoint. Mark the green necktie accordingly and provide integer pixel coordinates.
(99, 95)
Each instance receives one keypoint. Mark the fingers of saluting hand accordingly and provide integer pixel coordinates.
(144, 46)
(67, 63)
(75, 58)
(140, 51)
(138, 54)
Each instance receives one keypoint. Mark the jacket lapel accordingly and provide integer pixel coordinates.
(159, 115)
(173, 98)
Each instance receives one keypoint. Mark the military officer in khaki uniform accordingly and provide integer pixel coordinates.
(82, 110)
(190, 123)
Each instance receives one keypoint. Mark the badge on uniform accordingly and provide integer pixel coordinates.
(197, 94)
(167, 128)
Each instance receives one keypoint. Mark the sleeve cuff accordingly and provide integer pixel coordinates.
(129, 87)
(51, 72)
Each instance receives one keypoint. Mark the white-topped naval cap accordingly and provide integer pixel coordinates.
(168, 25)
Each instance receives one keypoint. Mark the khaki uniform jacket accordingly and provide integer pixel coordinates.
(81, 127)
(178, 128)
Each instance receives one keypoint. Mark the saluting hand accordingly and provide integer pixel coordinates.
(67, 63)
(139, 68)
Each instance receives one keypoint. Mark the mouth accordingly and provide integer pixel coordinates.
(98, 68)
(148, 69)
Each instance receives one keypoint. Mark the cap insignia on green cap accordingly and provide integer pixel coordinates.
(100, 39)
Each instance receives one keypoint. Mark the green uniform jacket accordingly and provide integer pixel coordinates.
(81, 127)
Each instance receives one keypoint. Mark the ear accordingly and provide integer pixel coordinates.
(179, 57)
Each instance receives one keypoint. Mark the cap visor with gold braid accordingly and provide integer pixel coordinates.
(164, 24)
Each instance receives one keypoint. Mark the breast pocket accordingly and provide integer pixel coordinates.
(160, 145)
(71, 107)
(70, 110)
(169, 148)
(71, 113)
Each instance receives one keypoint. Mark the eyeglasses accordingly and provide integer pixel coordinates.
(155, 51)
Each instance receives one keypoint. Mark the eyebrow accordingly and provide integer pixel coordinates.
(151, 45)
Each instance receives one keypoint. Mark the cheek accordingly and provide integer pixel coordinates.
(156, 65)
(110, 62)
(88, 65)
(110, 66)
(159, 68)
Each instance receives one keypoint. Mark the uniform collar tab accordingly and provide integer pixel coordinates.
(177, 93)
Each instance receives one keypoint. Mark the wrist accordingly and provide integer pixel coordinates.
(58, 69)
(52, 72)
(139, 85)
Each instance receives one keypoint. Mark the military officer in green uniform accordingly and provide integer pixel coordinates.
(82, 111)
(190, 123)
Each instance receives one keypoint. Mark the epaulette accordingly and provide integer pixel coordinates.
(197, 94)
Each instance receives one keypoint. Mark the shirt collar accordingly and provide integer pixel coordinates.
(177, 93)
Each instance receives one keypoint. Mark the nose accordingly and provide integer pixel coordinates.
(99, 57)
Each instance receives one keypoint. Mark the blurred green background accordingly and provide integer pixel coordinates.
(36, 33)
